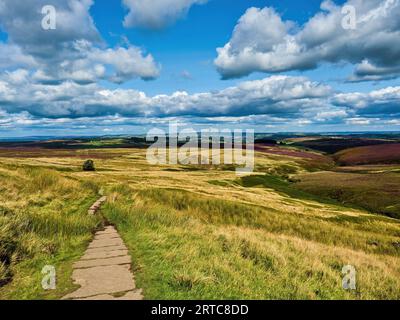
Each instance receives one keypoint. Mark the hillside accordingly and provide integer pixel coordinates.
(376, 154)
(194, 232)
(333, 145)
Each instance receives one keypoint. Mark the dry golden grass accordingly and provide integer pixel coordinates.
(196, 232)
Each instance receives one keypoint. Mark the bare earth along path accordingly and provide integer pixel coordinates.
(104, 272)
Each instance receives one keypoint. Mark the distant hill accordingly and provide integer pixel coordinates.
(376, 154)
(334, 145)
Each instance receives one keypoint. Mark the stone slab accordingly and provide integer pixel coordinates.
(106, 236)
(104, 254)
(102, 262)
(105, 249)
(106, 243)
(102, 280)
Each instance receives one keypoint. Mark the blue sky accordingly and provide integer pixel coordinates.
(128, 66)
(190, 45)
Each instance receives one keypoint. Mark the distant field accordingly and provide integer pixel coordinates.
(291, 152)
(41, 152)
(384, 154)
(304, 159)
(334, 145)
(74, 144)
(301, 139)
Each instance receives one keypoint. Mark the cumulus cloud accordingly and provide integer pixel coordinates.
(329, 115)
(384, 101)
(7, 94)
(73, 51)
(91, 64)
(12, 56)
(22, 21)
(262, 41)
(278, 95)
(274, 102)
(128, 63)
(365, 71)
(156, 14)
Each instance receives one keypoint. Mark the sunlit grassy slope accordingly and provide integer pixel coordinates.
(205, 233)
(43, 221)
(374, 188)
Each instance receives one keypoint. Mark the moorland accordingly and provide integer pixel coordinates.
(313, 204)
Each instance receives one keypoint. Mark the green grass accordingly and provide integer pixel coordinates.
(285, 187)
(223, 212)
(104, 142)
(375, 192)
(43, 221)
(194, 232)
(186, 246)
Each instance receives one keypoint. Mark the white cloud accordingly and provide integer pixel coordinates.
(21, 20)
(365, 71)
(287, 103)
(359, 121)
(156, 14)
(17, 77)
(262, 41)
(273, 100)
(330, 115)
(278, 95)
(128, 63)
(11, 56)
(382, 101)
(74, 51)
(6, 93)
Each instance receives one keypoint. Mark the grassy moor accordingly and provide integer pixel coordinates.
(200, 231)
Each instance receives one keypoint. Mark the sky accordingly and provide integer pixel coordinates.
(99, 67)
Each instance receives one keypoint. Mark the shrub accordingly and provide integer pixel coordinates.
(88, 165)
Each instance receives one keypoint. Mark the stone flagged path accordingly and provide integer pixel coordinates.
(104, 271)
(96, 206)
